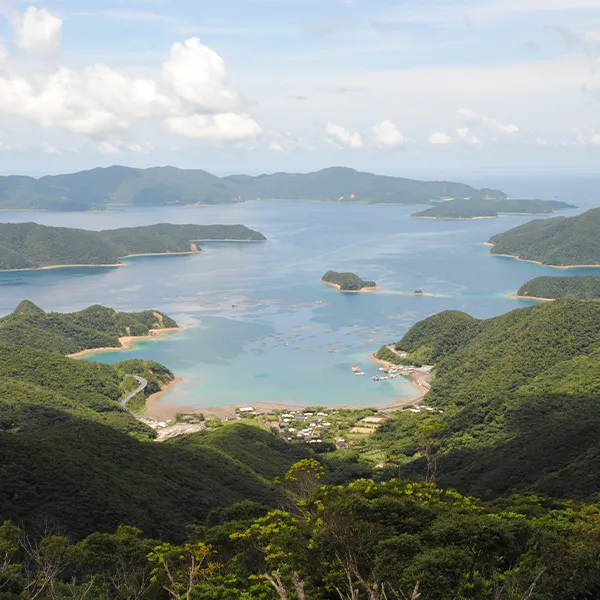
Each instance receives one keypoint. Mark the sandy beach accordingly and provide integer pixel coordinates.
(454, 218)
(541, 264)
(127, 342)
(535, 298)
(154, 410)
(339, 289)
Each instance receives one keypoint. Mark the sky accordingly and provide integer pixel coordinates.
(401, 87)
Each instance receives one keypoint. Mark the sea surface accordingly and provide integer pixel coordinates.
(259, 325)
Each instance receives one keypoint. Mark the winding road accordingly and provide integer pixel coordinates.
(143, 383)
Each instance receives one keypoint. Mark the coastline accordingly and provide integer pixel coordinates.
(339, 289)
(111, 265)
(455, 218)
(541, 264)
(127, 342)
(153, 409)
(534, 298)
(378, 290)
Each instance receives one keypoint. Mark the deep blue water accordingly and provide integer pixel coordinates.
(275, 345)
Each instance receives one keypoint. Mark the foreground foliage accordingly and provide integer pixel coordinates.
(364, 541)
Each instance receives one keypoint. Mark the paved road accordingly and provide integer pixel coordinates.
(143, 383)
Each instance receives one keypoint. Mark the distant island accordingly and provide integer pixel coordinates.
(490, 208)
(96, 327)
(167, 186)
(33, 246)
(583, 287)
(348, 282)
(559, 242)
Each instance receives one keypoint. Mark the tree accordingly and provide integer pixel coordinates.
(179, 569)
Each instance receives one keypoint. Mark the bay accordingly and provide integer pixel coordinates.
(259, 325)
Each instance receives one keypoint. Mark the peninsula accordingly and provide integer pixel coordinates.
(167, 186)
(33, 246)
(563, 242)
(348, 282)
(95, 328)
(583, 287)
(466, 209)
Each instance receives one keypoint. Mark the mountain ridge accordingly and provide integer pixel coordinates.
(158, 186)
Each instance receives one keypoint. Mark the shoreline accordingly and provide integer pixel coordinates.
(540, 264)
(127, 342)
(456, 218)
(121, 264)
(339, 289)
(153, 401)
(534, 298)
(379, 290)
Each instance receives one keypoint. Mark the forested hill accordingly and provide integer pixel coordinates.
(584, 287)
(519, 394)
(170, 186)
(94, 327)
(477, 208)
(29, 245)
(560, 241)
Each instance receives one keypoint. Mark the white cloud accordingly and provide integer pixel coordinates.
(439, 139)
(37, 30)
(193, 98)
(588, 136)
(282, 142)
(108, 148)
(224, 127)
(50, 149)
(488, 122)
(386, 135)
(197, 75)
(344, 137)
(467, 137)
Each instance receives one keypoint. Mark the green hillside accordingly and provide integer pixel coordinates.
(170, 186)
(94, 327)
(560, 241)
(29, 245)
(347, 282)
(584, 287)
(84, 476)
(35, 382)
(519, 398)
(474, 208)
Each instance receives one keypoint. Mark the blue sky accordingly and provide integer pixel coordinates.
(414, 87)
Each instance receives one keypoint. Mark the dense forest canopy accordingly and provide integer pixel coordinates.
(560, 241)
(347, 282)
(518, 394)
(29, 245)
(94, 327)
(491, 207)
(170, 186)
(584, 287)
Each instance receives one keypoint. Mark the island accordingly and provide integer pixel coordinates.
(348, 282)
(33, 246)
(563, 242)
(466, 209)
(101, 188)
(95, 328)
(584, 287)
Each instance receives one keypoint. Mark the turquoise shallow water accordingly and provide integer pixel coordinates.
(259, 324)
